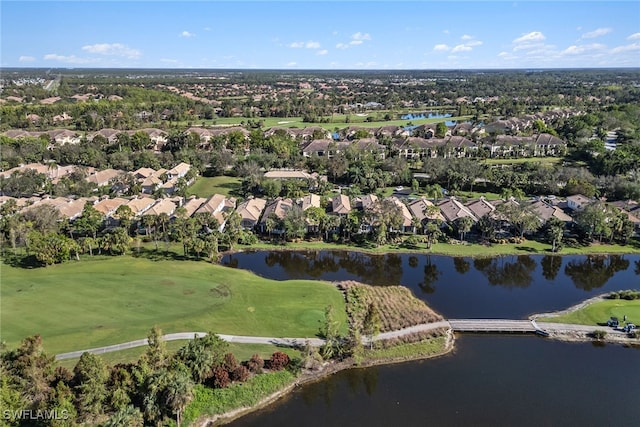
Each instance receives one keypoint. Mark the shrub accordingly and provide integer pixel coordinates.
(220, 377)
(240, 373)
(278, 361)
(230, 362)
(255, 364)
(599, 334)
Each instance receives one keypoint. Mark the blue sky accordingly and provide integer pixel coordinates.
(320, 35)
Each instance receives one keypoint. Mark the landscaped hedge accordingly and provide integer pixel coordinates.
(628, 295)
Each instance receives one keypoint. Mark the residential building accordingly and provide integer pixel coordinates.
(250, 212)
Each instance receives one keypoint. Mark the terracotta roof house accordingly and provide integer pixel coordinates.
(250, 211)
(419, 207)
(108, 206)
(480, 207)
(545, 212)
(64, 136)
(178, 171)
(577, 202)
(370, 145)
(213, 204)
(192, 204)
(309, 201)
(278, 207)
(451, 209)
(366, 202)
(110, 135)
(324, 148)
(340, 205)
(143, 173)
(140, 205)
(407, 218)
(162, 206)
(73, 209)
(103, 177)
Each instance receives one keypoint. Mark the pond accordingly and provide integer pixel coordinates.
(498, 287)
(489, 380)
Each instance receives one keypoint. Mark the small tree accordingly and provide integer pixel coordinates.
(371, 322)
(220, 377)
(255, 364)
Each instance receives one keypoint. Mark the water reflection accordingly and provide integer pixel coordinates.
(500, 287)
(595, 270)
(431, 275)
(461, 265)
(507, 271)
(551, 266)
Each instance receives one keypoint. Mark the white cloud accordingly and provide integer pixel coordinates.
(355, 42)
(634, 36)
(445, 31)
(534, 36)
(461, 48)
(69, 59)
(25, 58)
(113, 49)
(577, 50)
(504, 54)
(342, 46)
(466, 37)
(292, 64)
(474, 43)
(169, 61)
(596, 33)
(186, 34)
(308, 45)
(627, 48)
(441, 48)
(361, 36)
(322, 52)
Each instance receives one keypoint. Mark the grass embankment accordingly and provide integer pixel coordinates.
(431, 347)
(597, 313)
(93, 303)
(208, 186)
(210, 402)
(528, 247)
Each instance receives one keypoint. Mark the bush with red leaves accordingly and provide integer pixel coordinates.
(278, 361)
(240, 373)
(220, 377)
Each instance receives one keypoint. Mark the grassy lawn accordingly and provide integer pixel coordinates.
(208, 186)
(599, 312)
(241, 351)
(93, 303)
(548, 160)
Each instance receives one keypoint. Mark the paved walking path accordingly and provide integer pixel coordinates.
(457, 325)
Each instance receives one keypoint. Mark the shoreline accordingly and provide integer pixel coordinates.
(315, 376)
(580, 336)
(323, 246)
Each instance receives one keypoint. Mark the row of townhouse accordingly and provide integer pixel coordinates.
(71, 209)
(409, 141)
(150, 180)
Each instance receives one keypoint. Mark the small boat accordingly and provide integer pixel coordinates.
(542, 333)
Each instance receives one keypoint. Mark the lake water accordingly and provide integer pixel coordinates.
(489, 380)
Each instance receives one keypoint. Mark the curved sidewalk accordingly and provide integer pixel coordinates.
(240, 339)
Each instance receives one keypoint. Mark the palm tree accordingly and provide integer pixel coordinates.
(464, 225)
(178, 392)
